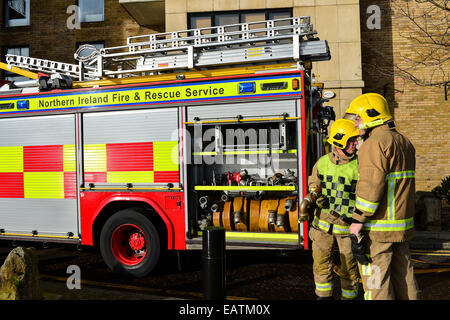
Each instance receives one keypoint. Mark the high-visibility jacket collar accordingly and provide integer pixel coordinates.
(390, 125)
(338, 158)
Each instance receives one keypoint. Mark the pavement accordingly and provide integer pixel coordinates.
(56, 289)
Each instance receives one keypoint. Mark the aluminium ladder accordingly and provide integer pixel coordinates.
(244, 43)
(49, 66)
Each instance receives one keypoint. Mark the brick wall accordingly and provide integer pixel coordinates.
(421, 112)
(48, 36)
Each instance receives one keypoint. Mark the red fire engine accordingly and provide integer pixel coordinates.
(138, 148)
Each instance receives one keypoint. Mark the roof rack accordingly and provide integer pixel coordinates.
(244, 43)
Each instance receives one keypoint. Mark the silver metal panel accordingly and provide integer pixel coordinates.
(251, 109)
(47, 216)
(37, 131)
(131, 126)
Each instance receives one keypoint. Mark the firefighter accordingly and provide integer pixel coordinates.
(385, 191)
(332, 185)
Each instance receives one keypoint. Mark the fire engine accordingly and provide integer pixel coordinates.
(137, 149)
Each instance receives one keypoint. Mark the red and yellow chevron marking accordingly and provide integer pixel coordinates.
(143, 162)
(38, 172)
(50, 171)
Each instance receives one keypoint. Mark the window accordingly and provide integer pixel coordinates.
(19, 51)
(213, 19)
(17, 13)
(92, 10)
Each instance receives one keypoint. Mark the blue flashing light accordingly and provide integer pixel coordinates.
(247, 87)
(24, 104)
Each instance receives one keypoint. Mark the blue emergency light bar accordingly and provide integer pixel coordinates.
(247, 87)
(22, 105)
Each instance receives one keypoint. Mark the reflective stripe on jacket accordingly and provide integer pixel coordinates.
(325, 226)
(385, 192)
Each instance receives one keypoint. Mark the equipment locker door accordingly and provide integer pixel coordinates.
(38, 176)
(131, 147)
(246, 171)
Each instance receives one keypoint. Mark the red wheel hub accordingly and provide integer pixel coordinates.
(129, 244)
(137, 241)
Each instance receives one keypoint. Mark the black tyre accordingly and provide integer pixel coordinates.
(130, 243)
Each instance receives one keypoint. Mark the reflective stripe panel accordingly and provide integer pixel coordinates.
(324, 286)
(165, 156)
(11, 159)
(366, 270)
(391, 199)
(69, 158)
(365, 205)
(95, 158)
(11, 185)
(43, 185)
(337, 229)
(134, 162)
(349, 294)
(368, 295)
(389, 225)
(38, 172)
(325, 226)
(391, 178)
(401, 174)
(130, 177)
(129, 157)
(43, 158)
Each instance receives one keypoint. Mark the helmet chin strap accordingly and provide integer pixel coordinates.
(347, 154)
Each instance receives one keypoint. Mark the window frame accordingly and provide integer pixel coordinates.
(4, 74)
(241, 13)
(11, 23)
(79, 3)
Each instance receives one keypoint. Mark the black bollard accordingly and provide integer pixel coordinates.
(214, 263)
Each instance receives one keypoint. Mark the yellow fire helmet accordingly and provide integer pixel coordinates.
(372, 108)
(341, 130)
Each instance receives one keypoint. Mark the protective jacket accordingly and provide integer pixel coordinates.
(386, 187)
(337, 175)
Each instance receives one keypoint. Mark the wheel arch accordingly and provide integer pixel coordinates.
(151, 210)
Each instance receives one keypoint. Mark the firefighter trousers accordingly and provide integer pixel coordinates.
(390, 275)
(323, 245)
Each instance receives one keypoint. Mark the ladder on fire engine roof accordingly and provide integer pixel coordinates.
(244, 43)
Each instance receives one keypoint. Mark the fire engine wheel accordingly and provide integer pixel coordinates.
(130, 244)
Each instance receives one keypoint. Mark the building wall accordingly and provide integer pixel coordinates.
(362, 60)
(49, 37)
(421, 112)
(335, 20)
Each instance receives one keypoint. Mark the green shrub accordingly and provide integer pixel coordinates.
(443, 191)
